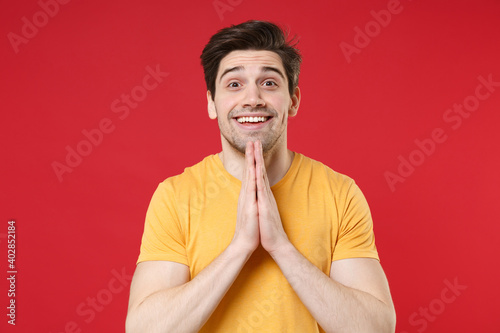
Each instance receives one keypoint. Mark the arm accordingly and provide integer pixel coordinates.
(355, 298)
(162, 299)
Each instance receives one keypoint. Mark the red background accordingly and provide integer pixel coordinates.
(357, 117)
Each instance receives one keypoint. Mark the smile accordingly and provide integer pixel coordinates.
(252, 123)
(243, 120)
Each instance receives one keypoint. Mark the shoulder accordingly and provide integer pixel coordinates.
(189, 179)
(321, 172)
(192, 173)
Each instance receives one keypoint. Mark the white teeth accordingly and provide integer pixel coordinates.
(251, 119)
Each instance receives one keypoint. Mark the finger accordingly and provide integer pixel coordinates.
(260, 170)
(249, 176)
(266, 179)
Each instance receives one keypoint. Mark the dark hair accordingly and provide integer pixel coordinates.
(251, 35)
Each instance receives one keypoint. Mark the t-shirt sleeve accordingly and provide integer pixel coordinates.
(163, 238)
(355, 238)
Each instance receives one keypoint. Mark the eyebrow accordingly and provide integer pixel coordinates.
(264, 69)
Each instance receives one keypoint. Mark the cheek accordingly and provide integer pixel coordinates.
(224, 105)
(224, 111)
(281, 105)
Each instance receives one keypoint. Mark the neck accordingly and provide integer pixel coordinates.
(277, 161)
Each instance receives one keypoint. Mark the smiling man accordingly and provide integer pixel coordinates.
(257, 238)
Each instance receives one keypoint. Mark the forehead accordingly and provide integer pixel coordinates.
(250, 59)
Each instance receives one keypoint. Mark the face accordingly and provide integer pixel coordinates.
(252, 101)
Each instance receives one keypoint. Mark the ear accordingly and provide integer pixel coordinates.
(294, 104)
(212, 113)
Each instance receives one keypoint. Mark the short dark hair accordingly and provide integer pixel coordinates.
(251, 35)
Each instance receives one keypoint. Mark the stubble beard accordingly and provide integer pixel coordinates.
(268, 139)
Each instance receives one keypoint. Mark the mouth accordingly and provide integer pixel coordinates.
(252, 123)
(245, 120)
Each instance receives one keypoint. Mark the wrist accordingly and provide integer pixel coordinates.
(283, 249)
(239, 249)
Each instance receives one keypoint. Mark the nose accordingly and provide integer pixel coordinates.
(253, 97)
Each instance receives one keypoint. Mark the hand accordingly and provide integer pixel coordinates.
(272, 234)
(246, 233)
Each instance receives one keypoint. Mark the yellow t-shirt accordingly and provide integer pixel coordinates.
(191, 220)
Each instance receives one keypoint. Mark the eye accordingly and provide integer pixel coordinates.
(270, 83)
(233, 85)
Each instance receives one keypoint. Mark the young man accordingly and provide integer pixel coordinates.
(257, 238)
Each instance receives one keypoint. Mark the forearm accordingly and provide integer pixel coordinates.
(187, 307)
(335, 307)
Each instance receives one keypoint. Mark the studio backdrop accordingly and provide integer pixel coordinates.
(103, 100)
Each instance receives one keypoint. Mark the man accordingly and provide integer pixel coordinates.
(257, 238)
